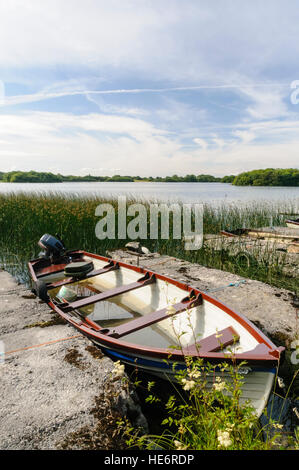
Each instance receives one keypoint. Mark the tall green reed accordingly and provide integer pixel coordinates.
(24, 217)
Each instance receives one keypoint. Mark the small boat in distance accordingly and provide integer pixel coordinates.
(279, 234)
(151, 321)
(292, 223)
(284, 238)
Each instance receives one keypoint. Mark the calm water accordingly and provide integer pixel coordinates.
(214, 193)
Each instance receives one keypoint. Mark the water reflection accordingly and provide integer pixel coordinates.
(111, 313)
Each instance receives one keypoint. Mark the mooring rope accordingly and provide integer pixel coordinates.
(43, 344)
(231, 284)
(12, 291)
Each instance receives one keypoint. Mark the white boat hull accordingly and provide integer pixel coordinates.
(257, 381)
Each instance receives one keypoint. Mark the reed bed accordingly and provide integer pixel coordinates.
(25, 217)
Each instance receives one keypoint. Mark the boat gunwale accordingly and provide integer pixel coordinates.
(108, 342)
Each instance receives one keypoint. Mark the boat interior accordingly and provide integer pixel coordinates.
(144, 309)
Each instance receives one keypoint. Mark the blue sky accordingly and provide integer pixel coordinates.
(148, 87)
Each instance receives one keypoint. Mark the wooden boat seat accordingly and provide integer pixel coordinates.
(214, 343)
(143, 281)
(154, 317)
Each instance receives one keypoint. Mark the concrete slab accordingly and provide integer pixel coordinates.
(53, 380)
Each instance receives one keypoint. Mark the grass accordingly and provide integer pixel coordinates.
(25, 217)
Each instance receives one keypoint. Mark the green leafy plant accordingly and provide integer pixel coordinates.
(201, 416)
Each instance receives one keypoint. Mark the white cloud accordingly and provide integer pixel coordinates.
(246, 136)
(94, 32)
(267, 102)
(35, 124)
(201, 142)
(71, 144)
(220, 143)
(174, 40)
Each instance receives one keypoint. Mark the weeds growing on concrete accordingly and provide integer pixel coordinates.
(203, 418)
(207, 411)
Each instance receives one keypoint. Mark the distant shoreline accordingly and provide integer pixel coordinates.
(264, 177)
(109, 181)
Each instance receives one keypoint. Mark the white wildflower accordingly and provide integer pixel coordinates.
(280, 382)
(219, 385)
(217, 334)
(278, 426)
(170, 310)
(188, 384)
(195, 374)
(295, 344)
(179, 445)
(296, 412)
(230, 426)
(181, 429)
(119, 369)
(224, 438)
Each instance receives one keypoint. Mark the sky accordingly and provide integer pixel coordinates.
(149, 87)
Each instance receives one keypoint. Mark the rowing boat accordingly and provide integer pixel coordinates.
(282, 238)
(151, 321)
(278, 234)
(292, 223)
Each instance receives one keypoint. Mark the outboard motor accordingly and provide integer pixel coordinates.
(53, 247)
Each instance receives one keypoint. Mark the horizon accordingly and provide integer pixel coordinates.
(126, 88)
(146, 178)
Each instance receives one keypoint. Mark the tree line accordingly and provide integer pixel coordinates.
(267, 177)
(46, 177)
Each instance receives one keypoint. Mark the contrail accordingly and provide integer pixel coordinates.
(41, 96)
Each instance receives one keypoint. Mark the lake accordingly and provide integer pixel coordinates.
(214, 193)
